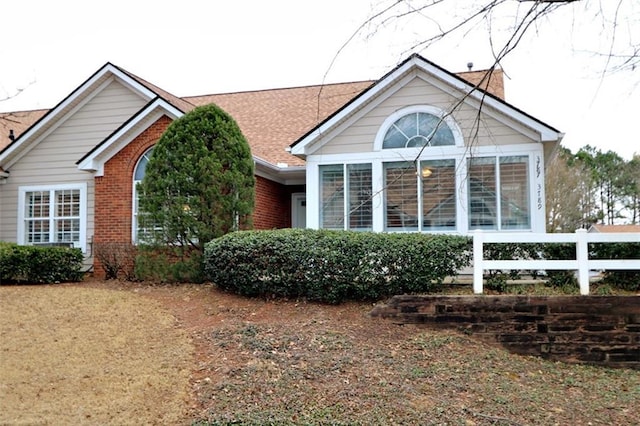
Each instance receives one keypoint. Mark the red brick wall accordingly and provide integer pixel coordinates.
(273, 204)
(114, 194)
(114, 190)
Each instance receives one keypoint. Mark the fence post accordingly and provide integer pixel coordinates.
(477, 261)
(582, 257)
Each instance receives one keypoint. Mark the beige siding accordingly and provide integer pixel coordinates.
(360, 135)
(52, 160)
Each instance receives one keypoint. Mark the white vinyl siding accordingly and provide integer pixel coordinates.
(360, 133)
(53, 160)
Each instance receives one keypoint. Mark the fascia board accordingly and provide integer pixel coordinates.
(365, 109)
(59, 113)
(450, 84)
(547, 134)
(125, 134)
(41, 130)
(284, 175)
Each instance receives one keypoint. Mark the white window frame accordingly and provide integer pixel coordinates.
(346, 197)
(499, 227)
(134, 195)
(428, 109)
(461, 154)
(52, 189)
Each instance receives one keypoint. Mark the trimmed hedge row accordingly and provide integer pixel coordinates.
(38, 265)
(333, 266)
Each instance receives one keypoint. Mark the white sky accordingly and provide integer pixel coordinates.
(196, 47)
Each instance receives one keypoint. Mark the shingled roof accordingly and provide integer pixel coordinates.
(270, 119)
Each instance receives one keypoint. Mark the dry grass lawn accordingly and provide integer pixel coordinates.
(123, 353)
(76, 355)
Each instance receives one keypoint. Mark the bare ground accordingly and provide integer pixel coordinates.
(122, 353)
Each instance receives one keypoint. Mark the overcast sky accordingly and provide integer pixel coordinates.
(196, 47)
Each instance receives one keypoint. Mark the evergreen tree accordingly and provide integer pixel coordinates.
(199, 182)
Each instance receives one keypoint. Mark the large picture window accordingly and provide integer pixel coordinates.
(499, 193)
(54, 214)
(420, 199)
(345, 196)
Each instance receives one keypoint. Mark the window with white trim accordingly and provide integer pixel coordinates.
(499, 192)
(140, 232)
(53, 214)
(418, 129)
(350, 209)
(421, 199)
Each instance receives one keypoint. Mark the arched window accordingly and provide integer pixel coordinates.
(418, 129)
(138, 174)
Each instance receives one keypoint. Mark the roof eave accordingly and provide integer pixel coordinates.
(300, 148)
(95, 159)
(13, 150)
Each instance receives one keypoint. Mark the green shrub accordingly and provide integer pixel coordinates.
(37, 265)
(332, 266)
(167, 265)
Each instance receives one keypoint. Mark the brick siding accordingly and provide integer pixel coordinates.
(114, 195)
(273, 204)
(114, 190)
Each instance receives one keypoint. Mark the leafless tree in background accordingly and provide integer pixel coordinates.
(506, 23)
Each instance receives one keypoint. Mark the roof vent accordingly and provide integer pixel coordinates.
(12, 137)
(469, 65)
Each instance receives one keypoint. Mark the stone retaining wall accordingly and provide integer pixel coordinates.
(602, 330)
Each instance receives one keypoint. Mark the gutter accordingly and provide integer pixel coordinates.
(281, 173)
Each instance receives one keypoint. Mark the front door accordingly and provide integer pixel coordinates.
(299, 210)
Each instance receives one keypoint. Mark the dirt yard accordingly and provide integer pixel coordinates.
(122, 353)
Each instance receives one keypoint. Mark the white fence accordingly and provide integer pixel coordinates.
(582, 264)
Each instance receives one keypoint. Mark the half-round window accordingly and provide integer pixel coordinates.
(418, 129)
(141, 167)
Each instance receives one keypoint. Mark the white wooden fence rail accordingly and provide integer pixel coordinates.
(582, 264)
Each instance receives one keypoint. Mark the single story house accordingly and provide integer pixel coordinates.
(421, 149)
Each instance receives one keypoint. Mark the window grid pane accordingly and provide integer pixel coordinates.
(37, 204)
(67, 203)
(332, 196)
(514, 192)
(438, 194)
(401, 196)
(52, 216)
(360, 192)
(37, 231)
(67, 230)
(482, 193)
